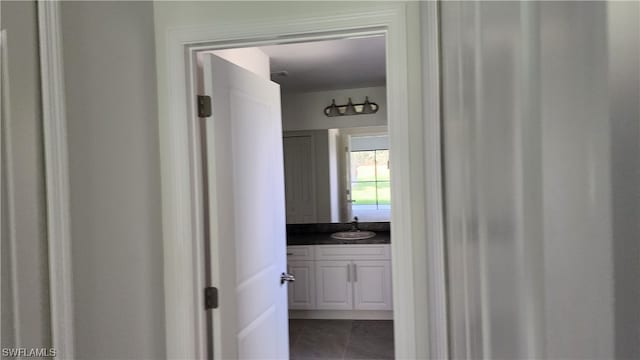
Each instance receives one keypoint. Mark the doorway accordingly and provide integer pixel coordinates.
(182, 200)
(327, 163)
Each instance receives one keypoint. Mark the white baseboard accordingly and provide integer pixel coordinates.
(341, 314)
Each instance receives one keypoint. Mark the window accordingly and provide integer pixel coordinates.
(369, 174)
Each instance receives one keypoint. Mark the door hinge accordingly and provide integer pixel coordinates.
(204, 106)
(210, 298)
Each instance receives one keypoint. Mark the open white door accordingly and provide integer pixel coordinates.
(246, 213)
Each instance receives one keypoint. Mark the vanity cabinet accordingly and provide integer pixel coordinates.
(340, 277)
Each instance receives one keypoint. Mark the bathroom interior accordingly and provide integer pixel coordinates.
(337, 177)
(337, 190)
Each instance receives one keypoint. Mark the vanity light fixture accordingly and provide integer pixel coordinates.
(367, 107)
(332, 110)
(350, 108)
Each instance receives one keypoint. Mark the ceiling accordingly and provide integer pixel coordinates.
(328, 65)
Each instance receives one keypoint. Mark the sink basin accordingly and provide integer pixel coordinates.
(353, 235)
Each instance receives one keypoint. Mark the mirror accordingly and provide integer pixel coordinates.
(332, 175)
(334, 97)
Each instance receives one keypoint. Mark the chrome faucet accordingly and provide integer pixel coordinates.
(354, 224)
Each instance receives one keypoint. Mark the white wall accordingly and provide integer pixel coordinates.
(305, 111)
(576, 160)
(25, 294)
(624, 114)
(116, 231)
(541, 161)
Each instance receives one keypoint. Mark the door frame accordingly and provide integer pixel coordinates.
(419, 279)
(56, 160)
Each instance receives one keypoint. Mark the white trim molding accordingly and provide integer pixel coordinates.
(436, 253)
(3, 119)
(417, 319)
(57, 178)
(9, 217)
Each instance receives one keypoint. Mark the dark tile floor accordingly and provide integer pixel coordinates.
(340, 339)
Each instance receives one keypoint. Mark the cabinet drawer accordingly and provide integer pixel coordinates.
(301, 252)
(353, 252)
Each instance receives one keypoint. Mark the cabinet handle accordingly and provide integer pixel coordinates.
(355, 273)
(289, 254)
(348, 272)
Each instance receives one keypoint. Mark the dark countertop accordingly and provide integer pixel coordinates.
(324, 238)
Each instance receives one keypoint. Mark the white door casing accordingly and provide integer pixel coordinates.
(247, 216)
(419, 305)
(56, 159)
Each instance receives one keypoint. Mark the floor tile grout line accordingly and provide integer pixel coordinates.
(346, 345)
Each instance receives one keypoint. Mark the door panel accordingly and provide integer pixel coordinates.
(302, 293)
(247, 216)
(300, 179)
(333, 285)
(372, 285)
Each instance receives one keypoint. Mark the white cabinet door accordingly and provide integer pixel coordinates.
(333, 285)
(372, 285)
(302, 292)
